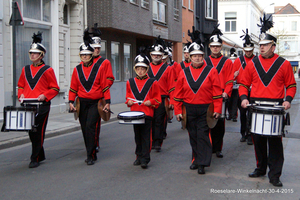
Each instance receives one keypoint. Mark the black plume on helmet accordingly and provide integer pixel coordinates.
(246, 36)
(265, 24)
(37, 38)
(159, 41)
(232, 50)
(96, 31)
(217, 31)
(86, 37)
(195, 35)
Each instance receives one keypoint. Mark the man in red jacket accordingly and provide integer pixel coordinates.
(38, 81)
(197, 87)
(238, 68)
(89, 83)
(271, 79)
(225, 71)
(145, 89)
(165, 79)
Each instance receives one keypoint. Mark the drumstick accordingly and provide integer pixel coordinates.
(241, 66)
(135, 100)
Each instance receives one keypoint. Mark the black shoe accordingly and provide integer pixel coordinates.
(33, 164)
(255, 174)
(243, 139)
(97, 149)
(193, 167)
(276, 182)
(90, 162)
(169, 120)
(157, 148)
(165, 136)
(201, 169)
(144, 165)
(137, 162)
(219, 154)
(234, 120)
(249, 140)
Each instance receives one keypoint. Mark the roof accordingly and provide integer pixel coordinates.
(287, 9)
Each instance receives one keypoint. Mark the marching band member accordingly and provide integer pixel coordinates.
(144, 89)
(197, 87)
(225, 71)
(238, 68)
(38, 81)
(89, 83)
(269, 75)
(96, 44)
(164, 76)
(232, 101)
(186, 54)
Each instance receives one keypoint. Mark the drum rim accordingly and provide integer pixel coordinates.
(131, 117)
(267, 110)
(22, 108)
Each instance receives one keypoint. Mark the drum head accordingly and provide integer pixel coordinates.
(211, 121)
(104, 115)
(183, 120)
(131, 115)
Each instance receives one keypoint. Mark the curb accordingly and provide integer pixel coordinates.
(49, 134)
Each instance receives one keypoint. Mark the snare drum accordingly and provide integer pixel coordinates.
(19, 118)
(267, 121)
(131, 117)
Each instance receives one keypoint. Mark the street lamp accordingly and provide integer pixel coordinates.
(262, 11)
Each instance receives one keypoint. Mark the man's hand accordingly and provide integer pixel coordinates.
(41, 97)
(225, 95)
(171, 106)
(287, 105)
(106, 108)
(72, 108)
(179, 117)
(244, 103)
(236, 73)
(129, 102)
(216, 115)
(21, 97)
(147, 103)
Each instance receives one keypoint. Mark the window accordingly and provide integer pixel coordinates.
(36, 9)
(281, 25)
(209, 9)
(176, 10)
(127, 62)
(65, 15)
(115, 60)
(189, 4)
(294, 26)
(133, 1)
(103, 49)
(230, 22)
(145, 3)
(159, 11)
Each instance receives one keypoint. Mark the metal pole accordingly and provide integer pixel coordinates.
(14, 6)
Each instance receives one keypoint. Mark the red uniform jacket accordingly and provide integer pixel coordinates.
(35, 81)
(268, 79)
(198, 86)
(225, 71)
(239, 65)
(89, 82)
(165, 78)
(143, 89)
(108, 70)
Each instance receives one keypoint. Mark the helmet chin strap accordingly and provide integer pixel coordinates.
(264, 54)
(85, 61)
(195, 61)
(156, 59)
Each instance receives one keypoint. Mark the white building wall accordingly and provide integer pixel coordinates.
(1, 62)
(248, 13)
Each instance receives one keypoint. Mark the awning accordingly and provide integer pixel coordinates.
(294, 63)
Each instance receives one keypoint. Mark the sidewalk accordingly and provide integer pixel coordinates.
(57, 124)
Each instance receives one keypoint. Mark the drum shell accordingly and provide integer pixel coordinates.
(19, 118)
(131, 117)
(267, 121)
(223, 114)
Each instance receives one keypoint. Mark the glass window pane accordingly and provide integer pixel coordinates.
(155, 10)
(127, 62)
(230, 15)
(115, 60)
(103, 49)
(24, 40)
(233, 26)
(294, 25)
(32, 9)
(47, 10)
(227, 26)
(66, 14)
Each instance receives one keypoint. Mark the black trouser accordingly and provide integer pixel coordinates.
(37, 136)
(243, 119)
(98, 131)
(217, 135)
(275, 158)
(232, 104)
(158, 124)
(89, 121)
(199, 134)
(142, 137)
